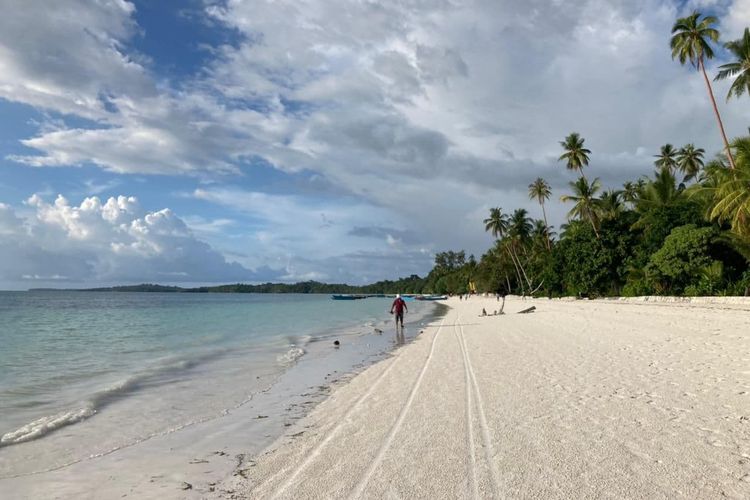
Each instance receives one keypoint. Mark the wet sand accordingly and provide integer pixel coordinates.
(580, 399)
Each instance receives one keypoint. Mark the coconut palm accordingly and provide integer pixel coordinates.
(629, 192)
(540, 190)
(730, 190)
(497, 223)
(660, 191)
(520, 225)
(610, 204)
(575, 156)
(667, 158)
(691, 37)
(690, 161)
(741, 67)
(586, 203)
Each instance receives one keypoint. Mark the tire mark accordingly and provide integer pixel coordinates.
(469, 419)
(396, 426)
(315, 452)
(482, 418)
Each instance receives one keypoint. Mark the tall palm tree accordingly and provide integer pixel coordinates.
(741, 67)
(540, 190)
(667, 158)
(586, 203)
(690, 161)
(575, 156)
(690, 42)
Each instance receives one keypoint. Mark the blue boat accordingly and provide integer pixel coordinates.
(347, 297)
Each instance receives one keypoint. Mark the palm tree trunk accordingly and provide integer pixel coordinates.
(515, 265)
(580, 171)
(716, 111)
(546, 226)
(528, 281)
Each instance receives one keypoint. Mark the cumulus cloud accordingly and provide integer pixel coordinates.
(110, 241)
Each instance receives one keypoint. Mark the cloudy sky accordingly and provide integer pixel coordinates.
(210, 141)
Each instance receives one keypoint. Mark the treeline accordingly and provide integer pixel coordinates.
(653, 235)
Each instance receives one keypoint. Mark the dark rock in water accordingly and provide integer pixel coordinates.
(186, 486)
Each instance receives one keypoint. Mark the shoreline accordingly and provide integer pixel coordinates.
(203, 453)
(636, 398)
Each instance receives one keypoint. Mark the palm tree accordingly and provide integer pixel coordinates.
(659, 192)
(586, 204)
(666, 158)
(540, 190)
(497, 223)
(730, 191)
(690, 161)
(610, 204)
(520, 225)
(575, 156)
(690, 42)
(629, 192)
(741, 67)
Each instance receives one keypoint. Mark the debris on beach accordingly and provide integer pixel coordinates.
(527, 310)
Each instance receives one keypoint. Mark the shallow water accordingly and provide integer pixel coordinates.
(85, 373)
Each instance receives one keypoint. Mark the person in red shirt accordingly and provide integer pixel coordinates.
(399, 307)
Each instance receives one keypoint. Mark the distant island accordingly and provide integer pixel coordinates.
(412, 284)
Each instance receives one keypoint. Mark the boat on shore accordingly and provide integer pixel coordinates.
(348, 296)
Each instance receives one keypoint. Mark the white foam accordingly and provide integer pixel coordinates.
(292, 355)
(44, 425)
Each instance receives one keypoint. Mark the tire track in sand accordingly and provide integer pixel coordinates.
(315, 452)
(482, 417)
(399, 421)
(469, 419)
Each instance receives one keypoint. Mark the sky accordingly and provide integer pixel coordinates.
(206, 141)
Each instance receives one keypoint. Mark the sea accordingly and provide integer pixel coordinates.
(83, 374)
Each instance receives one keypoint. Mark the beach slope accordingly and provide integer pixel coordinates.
(580, 399)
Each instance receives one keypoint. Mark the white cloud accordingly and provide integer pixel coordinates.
(114, 241)
(422, 113)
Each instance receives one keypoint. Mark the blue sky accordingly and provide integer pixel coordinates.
(208, 141)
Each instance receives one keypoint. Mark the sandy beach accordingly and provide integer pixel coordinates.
(580, 399)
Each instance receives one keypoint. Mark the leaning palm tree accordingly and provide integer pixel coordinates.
(690, 42)
(540, 190)
(497, 223)
(740, 67)
(690, 161)
(575, 156)
(667, 158)
(586, 203)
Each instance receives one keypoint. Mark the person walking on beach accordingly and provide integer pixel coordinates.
(399, 307)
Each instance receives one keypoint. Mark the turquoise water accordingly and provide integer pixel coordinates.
(91, 371)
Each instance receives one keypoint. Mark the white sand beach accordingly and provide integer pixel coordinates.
(581, 399)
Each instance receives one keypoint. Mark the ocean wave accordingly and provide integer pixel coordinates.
(45, 425)
(152, 376)
(291, 356)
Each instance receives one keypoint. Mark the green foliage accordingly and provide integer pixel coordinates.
(682, 260)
